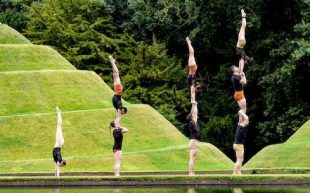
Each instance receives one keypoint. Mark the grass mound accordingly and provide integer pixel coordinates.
(10, 36)
(31, 57)
(293, 154)
(41, 91)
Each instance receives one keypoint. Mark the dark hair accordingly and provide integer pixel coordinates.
(112, 124)
(63, 162)
(232, 68)
(124, 109)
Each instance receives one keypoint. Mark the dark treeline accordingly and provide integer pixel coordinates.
(147, 37)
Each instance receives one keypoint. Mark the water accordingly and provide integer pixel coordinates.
(166, 189)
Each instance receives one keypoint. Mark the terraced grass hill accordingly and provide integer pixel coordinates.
(293, 154)
(11, 36)
(34, 79)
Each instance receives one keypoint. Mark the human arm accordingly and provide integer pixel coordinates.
(243, 78)
(193, 94)
(118, 117)
(57, 172)
(124, 130)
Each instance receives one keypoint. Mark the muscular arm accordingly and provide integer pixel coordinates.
(193, 94)
(194, 112)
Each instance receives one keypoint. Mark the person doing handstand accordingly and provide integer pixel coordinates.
(58, 144)
(242, 57)
(118, 89)
(238, 80)
(192, 66)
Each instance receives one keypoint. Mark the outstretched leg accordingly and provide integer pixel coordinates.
(59, 136)
(116, 77)
(191, 63)
(241, 39)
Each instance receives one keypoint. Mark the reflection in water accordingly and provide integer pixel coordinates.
(57, 190)
(159, 189)
(191, 190)
(116, 190)
(238, 190)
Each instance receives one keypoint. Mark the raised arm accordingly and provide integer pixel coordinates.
(193, 94)
(243, 78)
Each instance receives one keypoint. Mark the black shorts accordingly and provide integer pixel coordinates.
(57, 155)
(191, 79)
(240, 53)
(240, 135)
(117, 101)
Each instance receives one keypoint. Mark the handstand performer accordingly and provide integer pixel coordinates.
(192, 66)
(238, 80)
(118, 89)
(58, 144)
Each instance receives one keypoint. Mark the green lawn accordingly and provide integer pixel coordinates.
(293, 154)
(11, 36)
(23, 57)
(152, 143)
(41, 91)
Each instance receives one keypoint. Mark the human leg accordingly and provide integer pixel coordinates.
(117, 80)
(239, 149)
(191, 59)
(117, 162)
(241, 41)
(193, 149)
(59, 136)
(243, 118)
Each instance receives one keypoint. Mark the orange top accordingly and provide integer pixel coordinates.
(118, 89)
(192, 69)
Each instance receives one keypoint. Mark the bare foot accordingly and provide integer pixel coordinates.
(243, 14)
(58, 109)
(111, 59)
(188, 40)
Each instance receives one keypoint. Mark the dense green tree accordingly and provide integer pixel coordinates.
(13, 13)
(285, 74)
(85, 34)
(153, 21)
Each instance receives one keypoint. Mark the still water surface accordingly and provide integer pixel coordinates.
(152, 189)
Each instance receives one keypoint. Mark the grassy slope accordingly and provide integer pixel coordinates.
(29, 95)
(41, 91)
(10, 36)
(152, 144)
(294, 153)
(31, 57)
